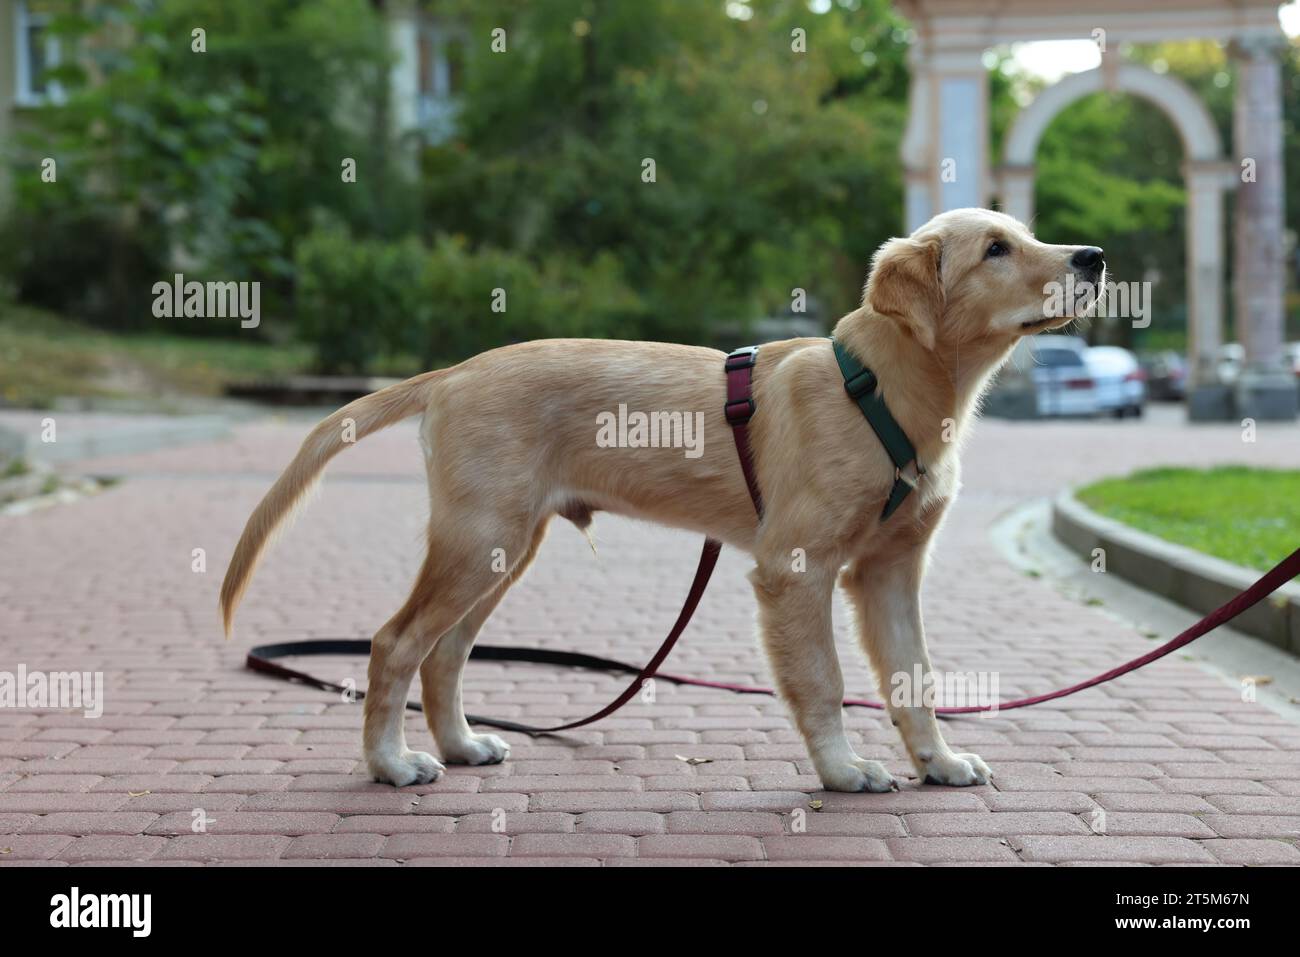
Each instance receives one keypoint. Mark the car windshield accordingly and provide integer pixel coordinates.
(1057, 357)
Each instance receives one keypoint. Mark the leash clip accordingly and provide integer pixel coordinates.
(911, 483)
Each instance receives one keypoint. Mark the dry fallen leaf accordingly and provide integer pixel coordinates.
(815, 805)
(682, 757)
(1258, 679)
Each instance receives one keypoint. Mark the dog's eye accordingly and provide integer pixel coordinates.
(997, 249)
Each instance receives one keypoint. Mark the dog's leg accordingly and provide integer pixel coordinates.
(887, 605)
(440, 678)
(456, 575)
(395, 654)
(795, 621)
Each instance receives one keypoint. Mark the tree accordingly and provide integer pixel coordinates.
(198, 133)
(722, 159)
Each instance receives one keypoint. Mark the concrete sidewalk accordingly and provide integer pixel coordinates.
(1165, 766)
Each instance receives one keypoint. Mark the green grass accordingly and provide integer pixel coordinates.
(43, 356)
(1245, 515)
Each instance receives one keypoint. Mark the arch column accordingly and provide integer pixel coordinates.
(961, 135)
(1205, 185)
(945, 147)
(916, 146)
(1266, 389)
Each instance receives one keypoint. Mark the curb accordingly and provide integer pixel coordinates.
(118, 440)
(1196, 581)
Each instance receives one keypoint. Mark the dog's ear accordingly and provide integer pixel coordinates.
(905, 286)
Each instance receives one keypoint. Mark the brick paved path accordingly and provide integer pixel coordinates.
(1183, 770)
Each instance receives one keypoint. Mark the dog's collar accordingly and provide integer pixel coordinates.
(861, 385)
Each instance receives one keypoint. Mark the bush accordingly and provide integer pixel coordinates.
(79, 262)
(359, 300)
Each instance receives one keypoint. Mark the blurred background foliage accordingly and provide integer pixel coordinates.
(773, 170)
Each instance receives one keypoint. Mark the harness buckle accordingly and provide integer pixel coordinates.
(743, 358)
(735, 417)
(861, 384)
(911, 483)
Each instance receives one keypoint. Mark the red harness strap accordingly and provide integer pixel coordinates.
(739, 410)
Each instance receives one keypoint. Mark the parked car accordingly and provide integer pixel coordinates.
(1118, 379)
(1166, 375)
(1292, 352)
(1231, 358)
(1062, 379)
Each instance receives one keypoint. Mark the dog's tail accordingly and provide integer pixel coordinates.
(354, 421)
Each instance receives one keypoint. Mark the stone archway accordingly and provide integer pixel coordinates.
(946, 160)
(1207, 176)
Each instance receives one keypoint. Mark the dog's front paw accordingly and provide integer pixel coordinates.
(408, 767)
(858, 775)
(955, 770)
(476, 749)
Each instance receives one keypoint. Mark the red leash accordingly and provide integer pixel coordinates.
(739, 410)
(263, 658)
(1281, 573)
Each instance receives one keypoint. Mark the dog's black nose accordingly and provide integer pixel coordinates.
(1089, 257)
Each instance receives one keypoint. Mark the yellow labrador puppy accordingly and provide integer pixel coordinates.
(511, 439)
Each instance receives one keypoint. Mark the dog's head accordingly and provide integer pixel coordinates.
(975, 275)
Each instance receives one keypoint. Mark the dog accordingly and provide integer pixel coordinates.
(509, 440)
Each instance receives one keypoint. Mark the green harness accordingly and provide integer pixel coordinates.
(861, 384)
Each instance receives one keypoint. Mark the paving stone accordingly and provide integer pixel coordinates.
(107, 848)
(1253, 852)
(1148, 850)
(91, 822)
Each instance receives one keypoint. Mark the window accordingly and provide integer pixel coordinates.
(440, 75)
(441, 61)
(454, 53)
(37, 51)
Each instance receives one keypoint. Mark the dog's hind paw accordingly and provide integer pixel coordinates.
(476, 749)
(955, 770)
(411, 767)
(859, 775)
